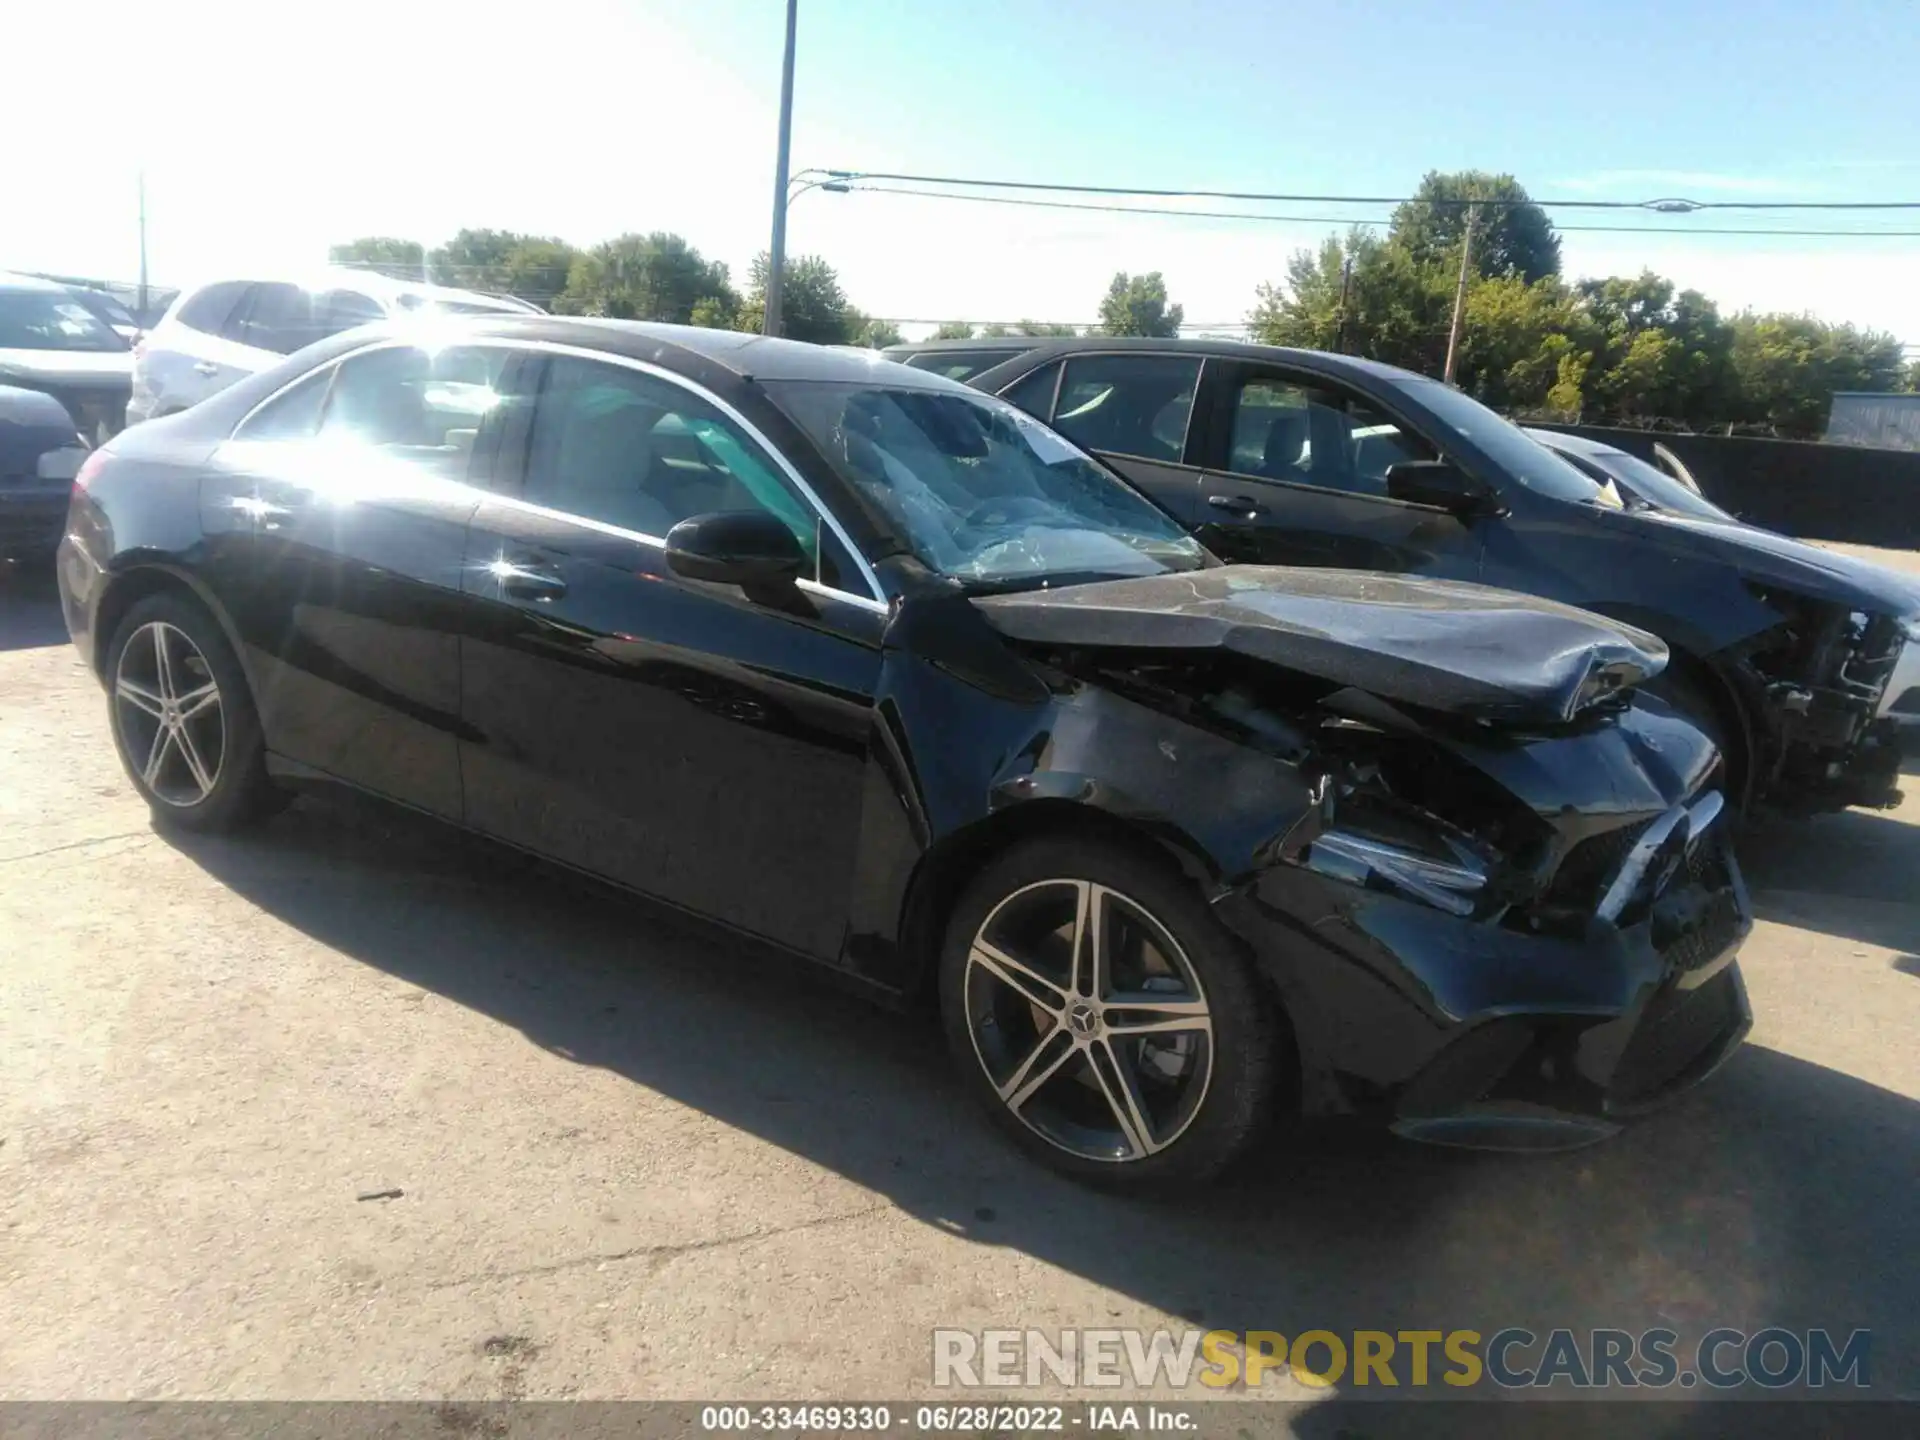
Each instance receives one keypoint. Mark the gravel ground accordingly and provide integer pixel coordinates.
(632, 1163)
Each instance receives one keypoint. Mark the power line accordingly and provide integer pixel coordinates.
(1352, 220)
(1664, 204)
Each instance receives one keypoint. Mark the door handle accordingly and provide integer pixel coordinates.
(205, 367)
(1240, 505)
(523, 582)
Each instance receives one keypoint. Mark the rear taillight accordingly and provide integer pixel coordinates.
(89, 468)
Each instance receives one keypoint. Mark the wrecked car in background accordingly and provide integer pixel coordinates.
(1804, 665)
(890, 677)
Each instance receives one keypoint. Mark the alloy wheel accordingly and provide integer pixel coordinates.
(167, 712)
(1089, 1020)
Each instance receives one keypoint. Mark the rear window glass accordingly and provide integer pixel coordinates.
(52, 320)
(209, 310)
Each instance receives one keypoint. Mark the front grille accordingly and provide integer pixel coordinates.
(1590, 866)
(30, 534)
(1679, 1030)
(1707, 874)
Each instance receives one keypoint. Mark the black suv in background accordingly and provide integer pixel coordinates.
(1803, 663)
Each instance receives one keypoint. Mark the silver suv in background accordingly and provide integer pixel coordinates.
(225, 330)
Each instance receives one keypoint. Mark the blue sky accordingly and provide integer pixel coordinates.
(603, 115)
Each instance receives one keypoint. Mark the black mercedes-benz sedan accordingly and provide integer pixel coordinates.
(1795, 660)
(884, 673)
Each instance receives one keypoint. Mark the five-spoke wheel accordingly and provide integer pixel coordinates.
(183, 718)
(1104, 1016)
(167, 714)
(1089, 1019)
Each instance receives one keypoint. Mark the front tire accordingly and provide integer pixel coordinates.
(1109, 1025)
(183, 718)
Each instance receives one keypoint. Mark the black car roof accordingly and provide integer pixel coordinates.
(758, 357)
(1324, 361)
(1012, 344)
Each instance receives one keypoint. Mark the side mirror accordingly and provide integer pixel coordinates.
(753, 549)
(1441, 484)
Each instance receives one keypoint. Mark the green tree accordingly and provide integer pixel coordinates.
(1395, 309)
(383, 254)
(1787, 367)
(1511, 235)
(877, 334)
(534, 267)
(1655, 353)
(812, 304)
(658, 276)
(1517, 345)
(953, 330)
(1137, 305)
(1913, 375)
(715, 312)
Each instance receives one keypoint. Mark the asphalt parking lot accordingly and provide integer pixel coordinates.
(621, 1161)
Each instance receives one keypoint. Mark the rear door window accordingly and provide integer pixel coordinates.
(426, 406)
(337, 310)
(1128, 404)
(1034, 393)
(208, 310)
(276, 317)
(291, 415)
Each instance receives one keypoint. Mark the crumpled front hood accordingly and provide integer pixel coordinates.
(1456, 648)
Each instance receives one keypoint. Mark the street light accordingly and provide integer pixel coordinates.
(777, 256)
(832, 181)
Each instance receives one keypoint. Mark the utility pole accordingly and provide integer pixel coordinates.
(142, 190)
(777, 256)
(1460, 295)
(1340, 326)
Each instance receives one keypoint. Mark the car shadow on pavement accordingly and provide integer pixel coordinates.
(29, 607)
(1779, 1193)
(1852, 875)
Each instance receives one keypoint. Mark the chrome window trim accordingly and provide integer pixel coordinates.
(658, 542)
(876, 600)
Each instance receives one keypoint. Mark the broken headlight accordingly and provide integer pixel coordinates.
(1407, 852)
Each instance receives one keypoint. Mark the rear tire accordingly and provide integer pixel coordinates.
(183, 718)
(1103, 1017)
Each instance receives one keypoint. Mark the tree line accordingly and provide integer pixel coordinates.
(659, 276)
(1625, 349)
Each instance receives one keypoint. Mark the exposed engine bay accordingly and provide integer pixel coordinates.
(1819, 677)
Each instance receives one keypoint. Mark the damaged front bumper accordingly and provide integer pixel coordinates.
(1842, 738)
(1466, 1032)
